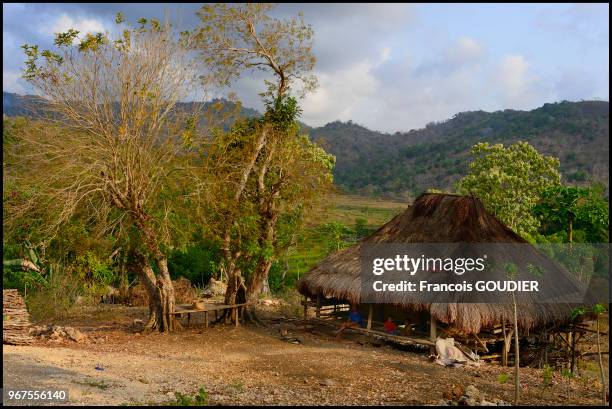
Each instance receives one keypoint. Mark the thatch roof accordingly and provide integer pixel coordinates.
(433, 218)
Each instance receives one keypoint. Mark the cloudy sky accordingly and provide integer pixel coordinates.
(391, 67)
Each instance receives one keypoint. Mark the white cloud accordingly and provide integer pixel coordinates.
(515, 81)
(344, 94)
(64, 22)
(385, 54)
(465, 50)
(12, 82)
(390, 67)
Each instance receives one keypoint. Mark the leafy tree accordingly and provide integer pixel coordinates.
(288, 178)
(510, 181)
(292, 177)
(198, 261)
(335, 233)
(571, 208)
(108, 153)
(361, 228)
(233, 40)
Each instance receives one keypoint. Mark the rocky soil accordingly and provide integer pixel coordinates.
(288, 364)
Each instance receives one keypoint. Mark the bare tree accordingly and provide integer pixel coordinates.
(113, 140)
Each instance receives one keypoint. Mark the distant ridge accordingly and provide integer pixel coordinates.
(403, 164)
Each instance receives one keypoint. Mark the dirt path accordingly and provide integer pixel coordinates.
(247, 365)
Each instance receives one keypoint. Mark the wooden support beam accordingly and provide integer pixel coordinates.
(507, 345)
(484, 345)
(370, 308)
(433, 329)
(433, 334)
(466, 351)
(396, 338)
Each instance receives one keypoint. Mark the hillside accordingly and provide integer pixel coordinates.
(401, 165)
(29, 105)
(404, 164)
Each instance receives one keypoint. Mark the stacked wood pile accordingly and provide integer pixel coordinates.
(15, 319)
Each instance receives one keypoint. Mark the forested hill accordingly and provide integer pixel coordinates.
(29, 105)
(405, 164)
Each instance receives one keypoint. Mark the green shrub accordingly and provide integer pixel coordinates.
(56, 295)
(197, 262)
(94, 274)
(198, 399)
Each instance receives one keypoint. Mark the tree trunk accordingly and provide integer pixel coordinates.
(161, 297)
(259, 279)
(234, 279)
(167, 294)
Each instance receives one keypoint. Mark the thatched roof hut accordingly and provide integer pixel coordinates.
(433, 218)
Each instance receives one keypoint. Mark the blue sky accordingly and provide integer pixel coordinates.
(392, 67)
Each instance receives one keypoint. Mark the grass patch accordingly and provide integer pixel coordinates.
(238, 385)
(198, 399)
(340, 223)
(94, 384)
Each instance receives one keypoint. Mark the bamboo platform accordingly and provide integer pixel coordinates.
(188, 309)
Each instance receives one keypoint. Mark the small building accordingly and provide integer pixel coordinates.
(433, 218)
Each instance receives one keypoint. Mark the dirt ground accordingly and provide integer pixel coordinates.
(249, 365)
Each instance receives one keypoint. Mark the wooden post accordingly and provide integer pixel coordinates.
(236, 315)
(505, 346)
(572, 338)
(432, 333)
(205, 319)
(508, 343)
(188, 319)
(370, 310)
(318, 314)
(545, 346)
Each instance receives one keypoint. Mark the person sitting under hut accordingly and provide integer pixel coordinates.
(354, 319)
(390, 327)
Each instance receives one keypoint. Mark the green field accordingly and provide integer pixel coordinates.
(340, 222)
